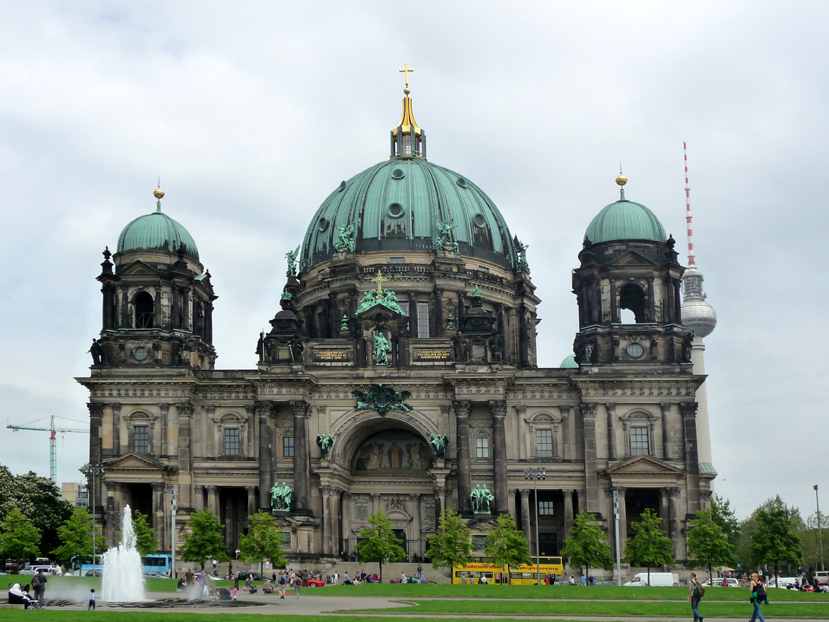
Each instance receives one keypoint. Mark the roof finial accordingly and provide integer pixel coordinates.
(405, 71)
(621, 180)
(158, 193)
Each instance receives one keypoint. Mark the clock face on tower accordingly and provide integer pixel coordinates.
(140, 354)
(635, 350)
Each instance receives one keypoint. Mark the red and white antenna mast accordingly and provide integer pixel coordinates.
(689, 218)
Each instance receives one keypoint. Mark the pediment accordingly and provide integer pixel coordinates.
(644, 465)
(132, 461)
(632, 258)
(138, 267)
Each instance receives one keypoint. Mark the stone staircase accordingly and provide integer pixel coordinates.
(390, 571)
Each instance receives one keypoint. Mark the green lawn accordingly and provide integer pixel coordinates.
(611, 608)
(150, 616)
(414, 591)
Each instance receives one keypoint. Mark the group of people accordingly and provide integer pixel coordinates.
(29, 595)
(758, 596)
(360, 577)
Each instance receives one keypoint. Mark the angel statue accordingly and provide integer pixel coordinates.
(381, 348)
(439, 443)
(346, 241)
(445, 240)
(291, 257)
(325, 441)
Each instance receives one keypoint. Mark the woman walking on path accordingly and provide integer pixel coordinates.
(695, 593)
(758, 595)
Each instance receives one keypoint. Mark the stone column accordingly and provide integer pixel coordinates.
(336, 523)
(651, 301)
(116, 429)
(302, 464)
(164, 448)
(96, 421)
(663, 510)
(213, 501)
(614, 303)
(439, 323)
(689, 425)
(462, 439)
(666, 431)
(440, 502)
(498, 408)
(591, 476)
(415, 500)
(673, 520)
(611, 431)
(525, 515)
(184, 414)
(327, 523)
(251, 490)
(263, 412)
(568, 512)
(198, 498)
(158, 512)
(111, 508)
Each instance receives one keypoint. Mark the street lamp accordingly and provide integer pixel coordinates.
(535, 474)
(819, 534)
(91, 470)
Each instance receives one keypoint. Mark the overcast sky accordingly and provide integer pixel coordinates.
(253, 112)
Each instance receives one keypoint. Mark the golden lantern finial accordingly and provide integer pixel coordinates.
(158, 193)
(621, 180)
(405, 71)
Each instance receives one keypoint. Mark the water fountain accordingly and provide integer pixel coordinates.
(123, 581)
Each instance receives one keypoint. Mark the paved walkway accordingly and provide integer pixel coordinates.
(312, 603)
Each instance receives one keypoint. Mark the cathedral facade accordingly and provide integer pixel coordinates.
(399, 375)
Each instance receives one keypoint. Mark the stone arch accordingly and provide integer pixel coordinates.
(355, 426)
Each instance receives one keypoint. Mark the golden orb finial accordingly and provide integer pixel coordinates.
(621, 179)
(158, 193)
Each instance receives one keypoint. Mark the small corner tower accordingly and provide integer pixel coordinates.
(629, 264)
(157, 298)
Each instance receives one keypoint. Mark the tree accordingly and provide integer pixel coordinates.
(263, 541)
(650, 546)
(204, 540)
(506, 545)
(587, 546)
(39, 500)
(452, 544)
(145, 541)
(707, 543)
(19, 539)
(774, 541)
(723, 515)
(76, 536)
(379, 544)
(749, 526)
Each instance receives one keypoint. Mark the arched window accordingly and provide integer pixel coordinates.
(639, 428)
(144, 310)
(632, 297)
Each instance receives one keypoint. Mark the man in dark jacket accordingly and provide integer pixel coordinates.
(39, 584)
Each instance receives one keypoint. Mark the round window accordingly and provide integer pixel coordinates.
(141, 353)
(479, 220)
(395, 210)
(323, 224)
(397, 174)
(635, 350)
(461, 182)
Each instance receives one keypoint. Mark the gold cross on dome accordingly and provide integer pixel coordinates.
(405, 71)
(379, 279)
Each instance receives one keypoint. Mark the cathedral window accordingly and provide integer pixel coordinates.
(482, 447)
(144, 310)
(232, 441)
(632, 298)
(141, 439)
(397, 260)
(639, 441)
(287, 446)
(423, 320)
(362, 510)
(545, 508)
(544, 443)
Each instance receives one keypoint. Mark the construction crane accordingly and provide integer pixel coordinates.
(53, 452)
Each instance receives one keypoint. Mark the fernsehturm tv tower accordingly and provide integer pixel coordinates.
(700, 317)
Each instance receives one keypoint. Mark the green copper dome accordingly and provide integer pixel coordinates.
(625, 220)
(569, 362)
(157, 231)
(395, 206)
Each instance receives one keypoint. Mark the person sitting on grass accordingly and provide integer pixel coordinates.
(346, 580)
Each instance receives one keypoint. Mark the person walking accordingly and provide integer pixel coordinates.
(758, 595)
(695, 594)
(297, 585)
(92, 598)
(39, 584)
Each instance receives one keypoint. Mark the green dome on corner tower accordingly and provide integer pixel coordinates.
(396, 205)
(625, 220)
(157, 231)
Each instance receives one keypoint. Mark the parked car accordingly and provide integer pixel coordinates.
(313, 583)
(11, 566)
(95, 573)
(33, 569)
(657, 579)
(244, 575)
(719, 582)
(153, 574)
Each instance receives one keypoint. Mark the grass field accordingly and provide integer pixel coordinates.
(613, 608)
(415, 591)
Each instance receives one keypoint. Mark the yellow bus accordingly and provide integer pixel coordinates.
(474, 572)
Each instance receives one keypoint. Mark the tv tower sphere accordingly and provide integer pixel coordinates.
(697, 314)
